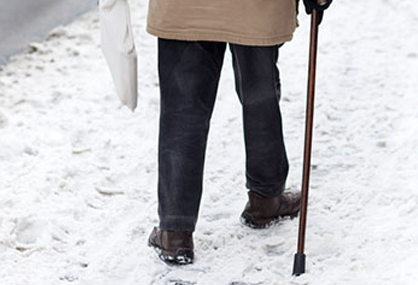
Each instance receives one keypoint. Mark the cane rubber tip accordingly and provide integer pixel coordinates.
(299, 264)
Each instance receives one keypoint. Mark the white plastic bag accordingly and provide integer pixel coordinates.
(119, 49)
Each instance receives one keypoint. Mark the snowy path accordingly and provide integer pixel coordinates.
(78, 173)
(23, 21)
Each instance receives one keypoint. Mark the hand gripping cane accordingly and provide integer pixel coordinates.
(300, 257)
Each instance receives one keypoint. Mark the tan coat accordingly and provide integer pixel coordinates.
(247, 22)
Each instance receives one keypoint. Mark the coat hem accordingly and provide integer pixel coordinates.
(219, 37)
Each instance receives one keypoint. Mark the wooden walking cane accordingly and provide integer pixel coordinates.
(300, 257)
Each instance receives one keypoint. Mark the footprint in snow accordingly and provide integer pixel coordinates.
(180, 282)
(3, 120)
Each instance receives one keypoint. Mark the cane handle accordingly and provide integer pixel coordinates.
(322, 2)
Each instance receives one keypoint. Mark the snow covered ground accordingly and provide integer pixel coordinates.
(78, 171)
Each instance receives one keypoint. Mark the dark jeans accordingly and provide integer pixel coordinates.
(189, 74)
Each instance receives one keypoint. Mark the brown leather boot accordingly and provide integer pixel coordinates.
(261, 212)
(173, 247)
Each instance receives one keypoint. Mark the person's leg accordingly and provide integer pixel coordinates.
(258, 87)
(189, 74)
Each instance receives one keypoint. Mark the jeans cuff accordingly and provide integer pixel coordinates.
(178, 223)
(268, 191)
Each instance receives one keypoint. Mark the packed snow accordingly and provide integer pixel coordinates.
(78, 170)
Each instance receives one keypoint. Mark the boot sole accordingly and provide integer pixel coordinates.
(246, 221)
(181, 257)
